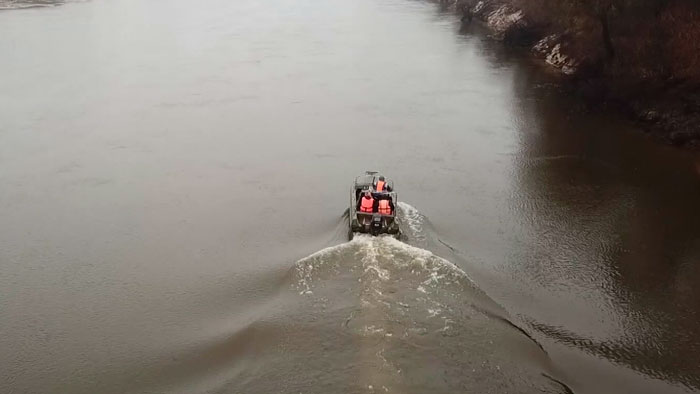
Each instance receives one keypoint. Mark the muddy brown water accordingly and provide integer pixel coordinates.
(174, 176)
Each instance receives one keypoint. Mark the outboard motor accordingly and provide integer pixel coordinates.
(376, 226)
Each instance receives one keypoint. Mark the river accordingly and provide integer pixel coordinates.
(174, 181)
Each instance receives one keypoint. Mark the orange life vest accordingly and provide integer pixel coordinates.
(384, 207)
(367, 205)
(380, 186)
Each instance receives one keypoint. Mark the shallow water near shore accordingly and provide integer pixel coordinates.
(174, 181)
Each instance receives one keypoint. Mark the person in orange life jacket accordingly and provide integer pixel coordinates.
(381, 185)
(367, 203)
(386, 207)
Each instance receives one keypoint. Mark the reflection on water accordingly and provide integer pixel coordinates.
(612, 229)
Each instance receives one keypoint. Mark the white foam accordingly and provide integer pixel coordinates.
(373, 330)
(424, 258)
(376, 256)
(326, 251)
(411, 217)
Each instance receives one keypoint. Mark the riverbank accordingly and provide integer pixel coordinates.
(640, 58)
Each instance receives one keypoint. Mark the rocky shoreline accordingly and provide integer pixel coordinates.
(667, 105)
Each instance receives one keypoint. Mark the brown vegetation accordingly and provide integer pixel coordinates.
(681, 23)
(632, 39)
(643, 55)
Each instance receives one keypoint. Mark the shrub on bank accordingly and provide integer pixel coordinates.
(636, 39)
(643, 55)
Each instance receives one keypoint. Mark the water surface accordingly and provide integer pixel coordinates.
(174, 180)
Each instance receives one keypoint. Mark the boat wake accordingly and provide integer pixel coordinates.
(416, 322)
(372, 315)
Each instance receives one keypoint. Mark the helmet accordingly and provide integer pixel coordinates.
(381, 177)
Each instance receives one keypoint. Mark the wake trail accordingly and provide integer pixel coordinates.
(414, 316)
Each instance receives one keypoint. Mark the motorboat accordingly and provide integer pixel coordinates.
(372, 221)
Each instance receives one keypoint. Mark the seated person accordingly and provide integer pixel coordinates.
(367, 203)
(385, 207)
(381, 185)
